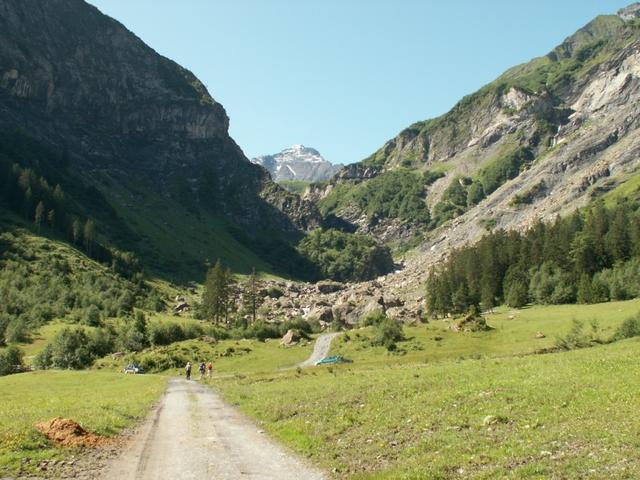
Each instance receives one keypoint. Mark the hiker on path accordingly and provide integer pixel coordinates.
(187, 370)
(201, 368)
(209, 369)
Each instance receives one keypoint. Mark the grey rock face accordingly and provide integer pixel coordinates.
(297, 163)
(78, 81)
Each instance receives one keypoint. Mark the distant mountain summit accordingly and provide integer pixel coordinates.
(297, 163)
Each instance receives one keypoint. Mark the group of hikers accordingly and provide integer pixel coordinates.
(201, 368)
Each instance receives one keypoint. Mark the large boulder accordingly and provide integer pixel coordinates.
(321, 313)
(292, 337)
(329, 286)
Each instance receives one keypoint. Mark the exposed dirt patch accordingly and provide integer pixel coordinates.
(67, 433)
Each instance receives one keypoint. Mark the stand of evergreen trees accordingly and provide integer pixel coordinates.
(590, 256)
(34, 198)
(225, 301)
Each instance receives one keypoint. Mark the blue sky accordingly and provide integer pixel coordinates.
(344, 76)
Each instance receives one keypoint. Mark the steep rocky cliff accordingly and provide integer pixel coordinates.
(581, 97)
(141, 132)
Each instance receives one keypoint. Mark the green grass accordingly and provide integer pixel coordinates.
(103, 403)
(629, 190)
(229, 357)
(175, 241)
(516, 336)
(552, 416)
(40, 339)
(466, 406)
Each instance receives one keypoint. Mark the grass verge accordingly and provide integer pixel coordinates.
(103, 403)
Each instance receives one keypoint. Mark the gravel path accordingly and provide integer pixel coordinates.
(194, 434)
(320, 349)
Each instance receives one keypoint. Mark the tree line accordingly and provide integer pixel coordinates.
(592, 255)
(45, 205)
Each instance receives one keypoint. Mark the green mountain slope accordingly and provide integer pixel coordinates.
(136, 144)
(491, 136)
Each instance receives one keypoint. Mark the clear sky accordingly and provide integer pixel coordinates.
(344, 76)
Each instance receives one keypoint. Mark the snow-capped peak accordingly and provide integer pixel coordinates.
(297, 163)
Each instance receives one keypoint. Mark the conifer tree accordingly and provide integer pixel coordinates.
(251, 300)
(89, 234)
(39, 215)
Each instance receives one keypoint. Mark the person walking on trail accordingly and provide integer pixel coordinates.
(209, 369)
(201, 368)
(187, 370)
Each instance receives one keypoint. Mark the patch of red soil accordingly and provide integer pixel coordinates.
(68, 433)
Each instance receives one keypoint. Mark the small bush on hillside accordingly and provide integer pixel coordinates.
(92, 317)
(297, 323)
(387, 333)
(17, 331)
(71, 348)
(192, 330)
(373, 318)
(131, 336)
(103, 341)
(314, 325)
(262, 331)
(578, 337)
(274, 292)
(629, 328)
(164, 333)
(10, 360)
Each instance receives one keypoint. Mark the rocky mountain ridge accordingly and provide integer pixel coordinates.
(141, 132)
(527, 108)
(580, 127)
(297, 163)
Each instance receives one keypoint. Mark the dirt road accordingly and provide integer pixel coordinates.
(320, 349)
(195, 435)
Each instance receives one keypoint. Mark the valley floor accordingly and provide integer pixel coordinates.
(444, 405)
(463, 405)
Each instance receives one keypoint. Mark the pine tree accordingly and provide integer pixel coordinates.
(89, 234)
(39, 215)
(585, 294)
(51, 218)
(251, 300)
(618, 236)
(216, 300)
(228, 294)
(76, 230)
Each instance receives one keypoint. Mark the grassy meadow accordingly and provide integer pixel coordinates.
(471, 405)
(103, 403)
(513, 333)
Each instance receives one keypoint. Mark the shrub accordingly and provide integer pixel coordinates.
(297, 323)
(192, 330)
(10, 360)
(103, 341)
(274, 292)
(130, 338)
(70, 348)
(92, 316)
(577, 337)
(629, 328)
(373, 318)
(17, 330)
(387, 333)
(262, 331)
(164, 333)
